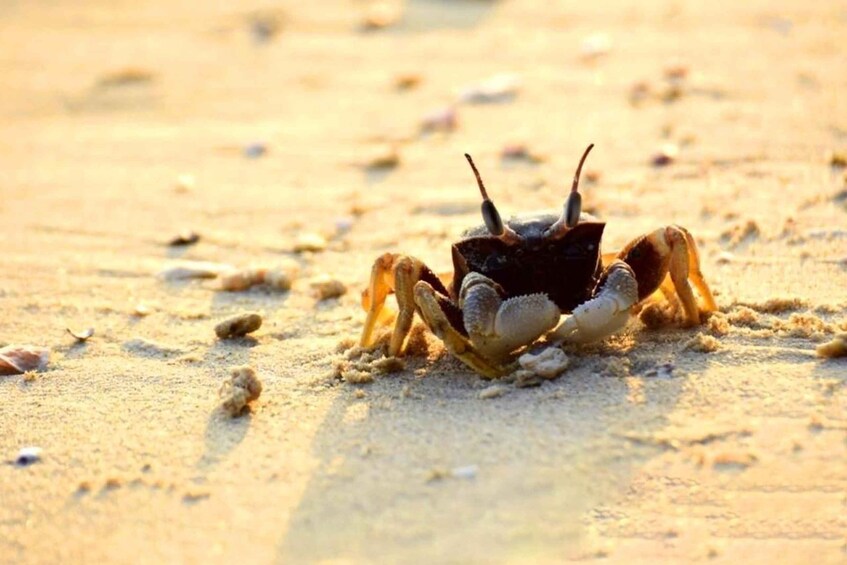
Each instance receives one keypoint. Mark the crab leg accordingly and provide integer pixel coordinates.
(607, 312)
(394, 273)
(498, 327)
(458, 345)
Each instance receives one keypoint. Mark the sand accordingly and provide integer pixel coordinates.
(254, 123)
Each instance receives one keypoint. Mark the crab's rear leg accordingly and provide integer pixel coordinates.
(669, 251)
(395, 273)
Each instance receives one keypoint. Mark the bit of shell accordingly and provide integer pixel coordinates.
(83, 335)
(838, 159)
(663, 371)
(255, 150)
(279, 278)
(383, 159)
(493, 391)
(666, 155)
(525, 379)
(442, 119)
(126, 77)
(18, 359)
(380, 16)
(193, 270)
(465, 472)
(595, 46)
(241, 388)
(186, 237)
(141, 310)
(239, 326)
(28, 456)
(837, 347)
(494, 90)
(547, 364)
(725, 257)
(407, 81)
(326, 287)
(309, 242)
(520, 152)
(185, 183)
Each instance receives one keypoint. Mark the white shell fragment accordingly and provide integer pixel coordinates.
(465, 472)
(547, 364)
(18, 359)
(28, 456)
(497, 89)
(187, 270)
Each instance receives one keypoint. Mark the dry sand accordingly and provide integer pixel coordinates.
(739, 453)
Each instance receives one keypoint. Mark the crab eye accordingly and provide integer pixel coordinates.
(573, 208)
(492, 218)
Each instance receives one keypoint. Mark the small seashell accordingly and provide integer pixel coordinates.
(83, 335)
(141, 310)
(493, 391)
(18, 359)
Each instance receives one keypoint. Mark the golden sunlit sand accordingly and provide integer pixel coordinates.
(167, 166)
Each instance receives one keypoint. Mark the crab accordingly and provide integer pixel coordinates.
(513, 281)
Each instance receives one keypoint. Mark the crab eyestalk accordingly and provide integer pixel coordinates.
(573, 206)
(490, 215)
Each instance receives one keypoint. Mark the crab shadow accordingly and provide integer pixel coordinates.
(417, 467)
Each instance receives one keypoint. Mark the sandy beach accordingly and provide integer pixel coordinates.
(314, 137)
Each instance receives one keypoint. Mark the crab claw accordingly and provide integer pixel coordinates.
(606, 313)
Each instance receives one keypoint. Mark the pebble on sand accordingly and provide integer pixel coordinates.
(239, 325)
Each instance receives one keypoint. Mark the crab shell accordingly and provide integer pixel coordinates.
(566, 269)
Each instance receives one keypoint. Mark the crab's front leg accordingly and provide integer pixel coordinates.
(497, 326)
(607, 312)
(641, 268)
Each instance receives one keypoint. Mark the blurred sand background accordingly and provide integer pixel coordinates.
(738, 454)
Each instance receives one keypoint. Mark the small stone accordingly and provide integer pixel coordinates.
(383, 160)
(326, 287)
(239, 326)
(380, 15)
(837, 347)
(28, 456)
(725, 257)
(183, 238)
(407, 81)
(547, 364)
(525, 379)
(311, 242)
(595, 46)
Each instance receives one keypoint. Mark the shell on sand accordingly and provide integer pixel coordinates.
(17, 359)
